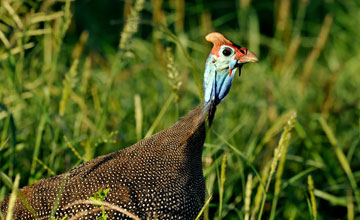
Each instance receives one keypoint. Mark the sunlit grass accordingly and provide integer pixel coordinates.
(62, 102)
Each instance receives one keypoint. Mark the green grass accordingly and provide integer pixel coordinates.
(72, 89)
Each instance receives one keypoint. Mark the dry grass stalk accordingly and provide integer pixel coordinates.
(69, 83)
(180, 15)
(260, 191)
(13, 14)
(13, 198)
(284, 141)
(17, 50)
(273, 130)
(206, 24)
(52, 173)
(278, 180)
(160, 115)
(291, 52)
(42, 17)
(350, 205)
(86, 73)
(73, 149)
(107, 139)
(335, 200)
(244, 4)
(7, 181)
(318, 47)
(283, 14)
(248, 197)
(222, 183)
(203, 208)
(80, 45)
(138, 116)
(131, 24)
(59, 196)
(107, 206)
(312, 196)
(173, 74)
(36, 32)
(329, 99)
(4, 40)
(341, 157)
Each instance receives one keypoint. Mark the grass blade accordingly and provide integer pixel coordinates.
(222, 182)
(138, 116)
(312, 197)
(12, 199)
(160, 115)
(203, 208)
(37, 146)
(342, 158)
(284, 141)
(248, 197)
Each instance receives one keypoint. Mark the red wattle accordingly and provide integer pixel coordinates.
(230, 71)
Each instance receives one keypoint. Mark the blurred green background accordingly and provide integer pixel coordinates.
(84, 78)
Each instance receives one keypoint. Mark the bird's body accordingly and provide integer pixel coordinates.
(159, 177)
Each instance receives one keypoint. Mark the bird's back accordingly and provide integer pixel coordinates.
(158, 177)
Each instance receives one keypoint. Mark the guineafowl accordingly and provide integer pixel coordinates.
(160, 177)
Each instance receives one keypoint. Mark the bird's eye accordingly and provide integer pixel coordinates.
(227, 52)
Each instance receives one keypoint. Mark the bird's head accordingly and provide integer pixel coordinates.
(221, 66)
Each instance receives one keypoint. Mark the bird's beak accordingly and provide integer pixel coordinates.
(250, 57)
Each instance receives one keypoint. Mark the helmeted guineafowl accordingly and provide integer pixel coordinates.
(160, 177)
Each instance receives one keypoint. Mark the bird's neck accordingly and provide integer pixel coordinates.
(209, 109)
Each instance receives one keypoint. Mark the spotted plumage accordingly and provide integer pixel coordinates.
(159, 177)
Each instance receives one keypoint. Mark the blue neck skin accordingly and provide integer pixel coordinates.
(217, 81)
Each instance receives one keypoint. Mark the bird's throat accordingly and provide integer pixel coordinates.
(209, 110)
